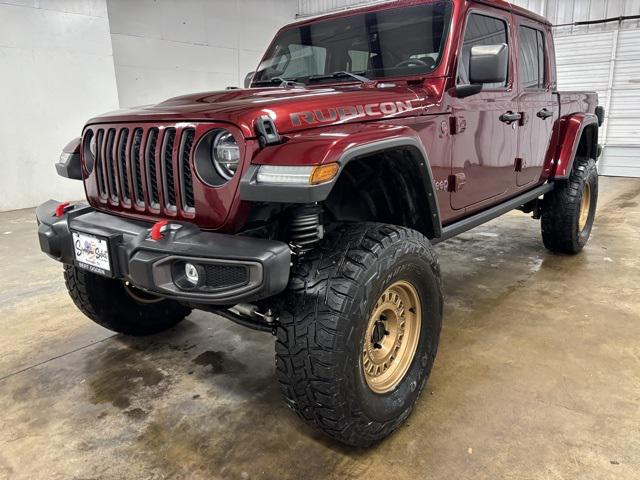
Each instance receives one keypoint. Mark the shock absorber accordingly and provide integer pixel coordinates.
(305, 228)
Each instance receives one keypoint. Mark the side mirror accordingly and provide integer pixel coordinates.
(489, 64)
(248, 79)
(464, 91)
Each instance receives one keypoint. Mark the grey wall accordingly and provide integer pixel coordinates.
(57, 71)
(64, 61)
(171, 47)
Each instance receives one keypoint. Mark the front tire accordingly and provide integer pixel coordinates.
(119, 307)
(569, 211)
(359, 331)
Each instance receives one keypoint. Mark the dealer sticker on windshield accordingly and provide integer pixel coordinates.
(92, 253)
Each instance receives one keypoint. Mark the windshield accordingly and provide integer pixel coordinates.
(388, 43)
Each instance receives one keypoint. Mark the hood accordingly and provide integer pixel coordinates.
(292, 109)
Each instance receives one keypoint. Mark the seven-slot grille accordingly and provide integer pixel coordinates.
(147, 168)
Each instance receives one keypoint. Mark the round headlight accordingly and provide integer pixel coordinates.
(226, 154)
(90, 150)
(93, 145)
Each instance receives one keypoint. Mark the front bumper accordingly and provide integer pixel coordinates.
(235, 269)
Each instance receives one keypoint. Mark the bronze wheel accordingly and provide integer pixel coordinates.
(391, 337)
(585, 207)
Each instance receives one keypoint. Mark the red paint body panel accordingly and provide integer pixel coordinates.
(320, 123)
(572, 128)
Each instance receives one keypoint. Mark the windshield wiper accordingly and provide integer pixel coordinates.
(337, 75)
(280, 81)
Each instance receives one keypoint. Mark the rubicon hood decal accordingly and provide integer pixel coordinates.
(349, 112)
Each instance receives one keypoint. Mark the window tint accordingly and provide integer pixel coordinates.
(391, 42)
(532, 61)
(481, 30)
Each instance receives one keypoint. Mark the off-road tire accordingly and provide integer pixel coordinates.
(561, 232)
(321, 333)
(106, 302)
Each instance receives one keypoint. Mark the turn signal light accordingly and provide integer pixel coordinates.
(297, 175)
(324, 173)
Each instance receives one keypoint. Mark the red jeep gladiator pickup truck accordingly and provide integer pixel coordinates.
(307, 203)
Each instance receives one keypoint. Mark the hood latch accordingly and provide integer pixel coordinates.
(267, 132)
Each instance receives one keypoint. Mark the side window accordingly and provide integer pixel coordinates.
(481, 30)
(532, 58)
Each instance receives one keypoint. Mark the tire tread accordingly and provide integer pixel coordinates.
(561, 209)
(308, 364)
(106, 302)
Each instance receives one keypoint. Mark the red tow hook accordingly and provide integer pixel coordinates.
(61, 209)
(156, 230)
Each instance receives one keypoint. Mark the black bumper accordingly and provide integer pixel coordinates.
(235, 269)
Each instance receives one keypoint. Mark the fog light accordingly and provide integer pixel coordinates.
(192, 274)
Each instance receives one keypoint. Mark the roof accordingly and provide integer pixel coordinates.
(501, 4)
(507, 5)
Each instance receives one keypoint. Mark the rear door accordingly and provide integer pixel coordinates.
(484, 147)
(535, 102)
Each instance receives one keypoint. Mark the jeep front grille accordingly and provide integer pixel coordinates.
(147, 169)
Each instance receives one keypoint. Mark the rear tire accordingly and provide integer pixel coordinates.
(568, 212)
(333, 316)
(121, 308)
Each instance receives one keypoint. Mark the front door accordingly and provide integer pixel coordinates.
(484, 146)
(536, 102)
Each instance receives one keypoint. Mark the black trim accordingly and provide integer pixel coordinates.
(600, 113)
(252, 191)
(267, 132)
(478, 219)
(147, 264)
(70, 168)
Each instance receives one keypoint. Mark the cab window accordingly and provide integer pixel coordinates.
(481, 30)
(532, 62)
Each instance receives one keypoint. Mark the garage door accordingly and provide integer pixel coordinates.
(608, 63)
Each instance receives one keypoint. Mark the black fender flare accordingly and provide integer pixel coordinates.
(252, 191)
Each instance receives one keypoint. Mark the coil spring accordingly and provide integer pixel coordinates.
(306, 229)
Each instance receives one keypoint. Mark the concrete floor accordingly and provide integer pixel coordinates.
(537, 377)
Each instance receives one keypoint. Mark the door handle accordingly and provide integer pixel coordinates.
(510, 117)
(544, 114)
